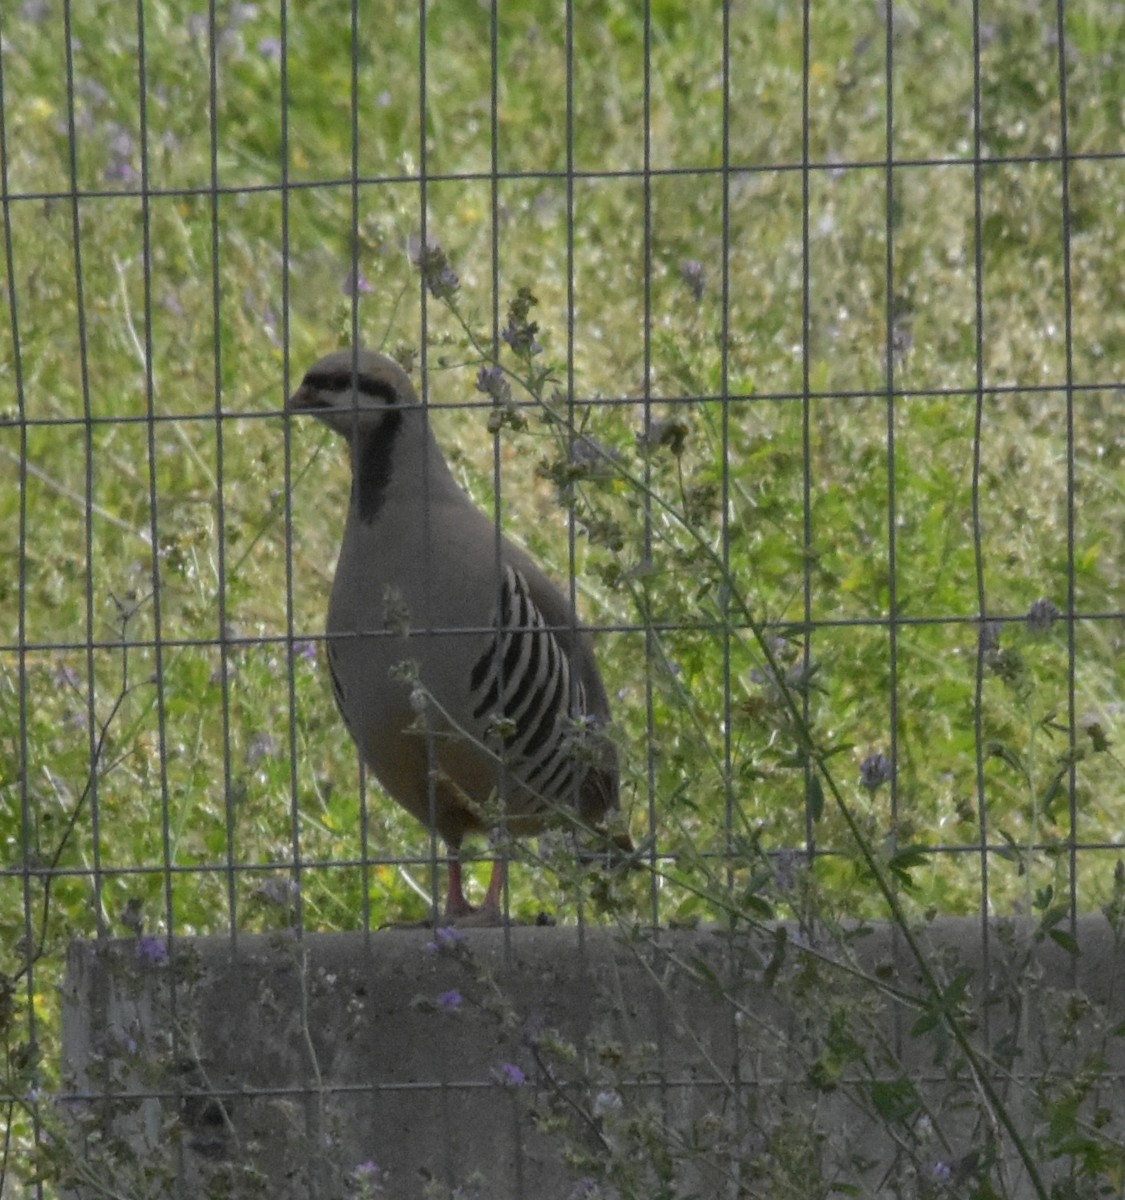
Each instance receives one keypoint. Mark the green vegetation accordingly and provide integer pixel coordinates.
(148, 344)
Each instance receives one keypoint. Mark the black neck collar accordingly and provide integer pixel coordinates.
(373, 466)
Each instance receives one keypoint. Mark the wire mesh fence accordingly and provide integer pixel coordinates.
(789, 340)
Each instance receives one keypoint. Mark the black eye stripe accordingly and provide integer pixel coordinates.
(341, 381)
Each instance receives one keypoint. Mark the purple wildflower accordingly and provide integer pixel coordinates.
(1042, 615)
(875, 770)
(171, 303)
(431, 260)
(446, 939)
(122, 151)
(508, 1075)
(305, 649)
(592, 459)
(67, 676)
(262, 746)
(491, 381)
(521, 337)
(990, 636)
(152, 951)
(787, 865)
(520, 332)
(270, 48)
(607, 1102)
(356, 284)
(694, 275)
(450, 999)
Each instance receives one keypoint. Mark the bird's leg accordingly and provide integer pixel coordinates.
(458, 911)
(456, 906)
(490, 912)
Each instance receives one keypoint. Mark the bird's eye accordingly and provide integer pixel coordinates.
(330, 381)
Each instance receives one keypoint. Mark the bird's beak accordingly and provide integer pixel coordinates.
(302, 400)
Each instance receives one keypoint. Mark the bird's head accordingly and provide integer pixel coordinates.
(353, 391)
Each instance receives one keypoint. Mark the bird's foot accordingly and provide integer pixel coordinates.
(468, 917)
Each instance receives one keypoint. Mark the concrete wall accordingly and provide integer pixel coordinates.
(532, 1062)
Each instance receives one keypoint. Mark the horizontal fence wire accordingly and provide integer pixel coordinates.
(576, 173)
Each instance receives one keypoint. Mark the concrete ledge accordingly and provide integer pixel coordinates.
(532, 1062)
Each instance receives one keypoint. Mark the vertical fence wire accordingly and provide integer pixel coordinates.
(495, 276)
(354, 284)
(28, 851)
(978, 547)
(1071, 481)
(88, 486)
(811, 778)
(725, 605)
(651, 649)
(890, 323)
(221, 532)
(285, 258)
(571, 292)
(160, 650)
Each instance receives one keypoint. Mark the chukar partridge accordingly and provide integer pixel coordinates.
(515, 710)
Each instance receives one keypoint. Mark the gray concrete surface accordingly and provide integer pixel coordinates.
(555, 1063)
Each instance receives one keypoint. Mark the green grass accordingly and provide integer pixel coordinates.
(222, 768)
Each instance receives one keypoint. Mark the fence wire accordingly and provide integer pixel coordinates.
(819, 429)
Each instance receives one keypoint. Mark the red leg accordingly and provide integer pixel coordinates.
(455, 903)
(490, 911)
(458, 911)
